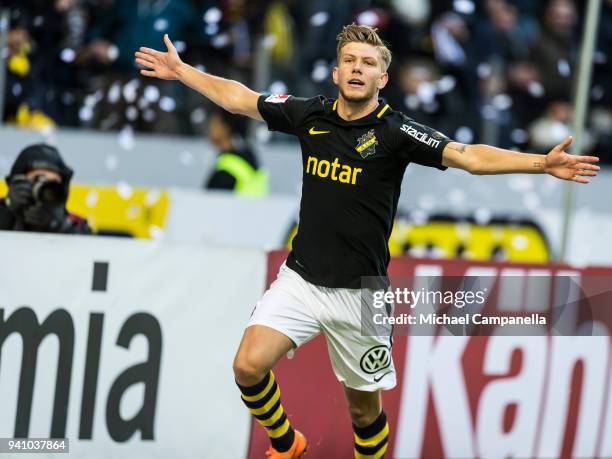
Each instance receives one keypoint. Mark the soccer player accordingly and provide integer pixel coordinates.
(355, 149)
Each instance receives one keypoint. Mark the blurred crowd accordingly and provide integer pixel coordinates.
(493, 71)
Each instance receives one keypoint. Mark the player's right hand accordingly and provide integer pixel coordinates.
(159, 64)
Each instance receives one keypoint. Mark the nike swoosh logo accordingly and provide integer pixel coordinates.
(313, 132)
(378, 378)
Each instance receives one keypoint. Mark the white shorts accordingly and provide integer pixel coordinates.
(301, 310)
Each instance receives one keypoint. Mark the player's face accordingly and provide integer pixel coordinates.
(359, 74)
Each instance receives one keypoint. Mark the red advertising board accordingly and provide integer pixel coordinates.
(464, 397)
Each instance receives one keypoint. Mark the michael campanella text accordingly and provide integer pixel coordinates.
(466, 319)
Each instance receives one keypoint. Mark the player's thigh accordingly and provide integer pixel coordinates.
(286, 308)
(260, 348)
(360, 359)
(282, 320)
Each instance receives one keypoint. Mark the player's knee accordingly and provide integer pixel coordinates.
(362, 416)
(247, 372)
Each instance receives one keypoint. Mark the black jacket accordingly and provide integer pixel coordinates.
(73, 224)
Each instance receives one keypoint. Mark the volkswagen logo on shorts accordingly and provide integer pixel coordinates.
(375, 359)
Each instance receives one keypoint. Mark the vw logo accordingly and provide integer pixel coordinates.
(375, 359)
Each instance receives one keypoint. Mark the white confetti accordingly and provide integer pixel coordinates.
(152, 197)
(130, 90)
(446, 84)
(262, 134)
(124, 190)
(93, 99)
(320, 71)
(520, 183)
(535, 88)
(132, 212)
(114, 93)
(17, 89)
(564, 68)
(484, 70)
(531, 201)
(67, 55)
(488, 112)
(269, 41)
(167, 104)
(198, 116)
(151, 93)
(161, 24)
(456, 197)
(483, 216)
(113, 53)
(519, 242)
(111, 162)
(319, 18)
(156, 232)
(369, 18)
(220, 41)
(212, 15)
(91, 199)
(464, 6)
(278, 87)
(149, 115)
(519, 136)
(427, 202)
(85, 113)
(502, 101)
(126, 138)
(131, 113)
(211, 29)
(186, 158)
(464, 134)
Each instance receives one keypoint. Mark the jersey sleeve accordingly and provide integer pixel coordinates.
(420, 144)
(285, 113)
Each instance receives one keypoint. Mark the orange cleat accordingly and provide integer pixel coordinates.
(297, 450)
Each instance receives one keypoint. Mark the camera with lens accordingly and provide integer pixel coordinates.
(47, 191)
(44, 189)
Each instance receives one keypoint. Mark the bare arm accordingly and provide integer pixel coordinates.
(229, 94)
(487, 160)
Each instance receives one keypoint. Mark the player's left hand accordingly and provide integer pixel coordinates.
(570, 167)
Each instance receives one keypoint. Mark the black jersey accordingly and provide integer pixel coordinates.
(352, 178)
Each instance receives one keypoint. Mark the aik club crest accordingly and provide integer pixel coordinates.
(366, 144)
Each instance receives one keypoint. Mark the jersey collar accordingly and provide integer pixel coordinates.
(382, 110)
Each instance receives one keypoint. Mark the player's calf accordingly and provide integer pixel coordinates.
(264, 403)
(260, 349)
(369, 423)
(372, 440)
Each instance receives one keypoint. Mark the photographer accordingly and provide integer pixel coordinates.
(38, 190)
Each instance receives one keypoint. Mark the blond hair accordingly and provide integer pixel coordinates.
(357, 33)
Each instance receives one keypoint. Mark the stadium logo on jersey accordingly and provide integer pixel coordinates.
(375, 359)
(366, 144)
(420, 136)
(277, 98)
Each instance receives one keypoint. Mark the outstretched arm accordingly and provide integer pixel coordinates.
(485, 160)
(229, 94)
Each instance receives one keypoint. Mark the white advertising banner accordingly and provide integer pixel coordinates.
(124, 347)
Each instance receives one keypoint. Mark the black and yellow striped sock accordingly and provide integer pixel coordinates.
(263, 401)
(371, 441)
